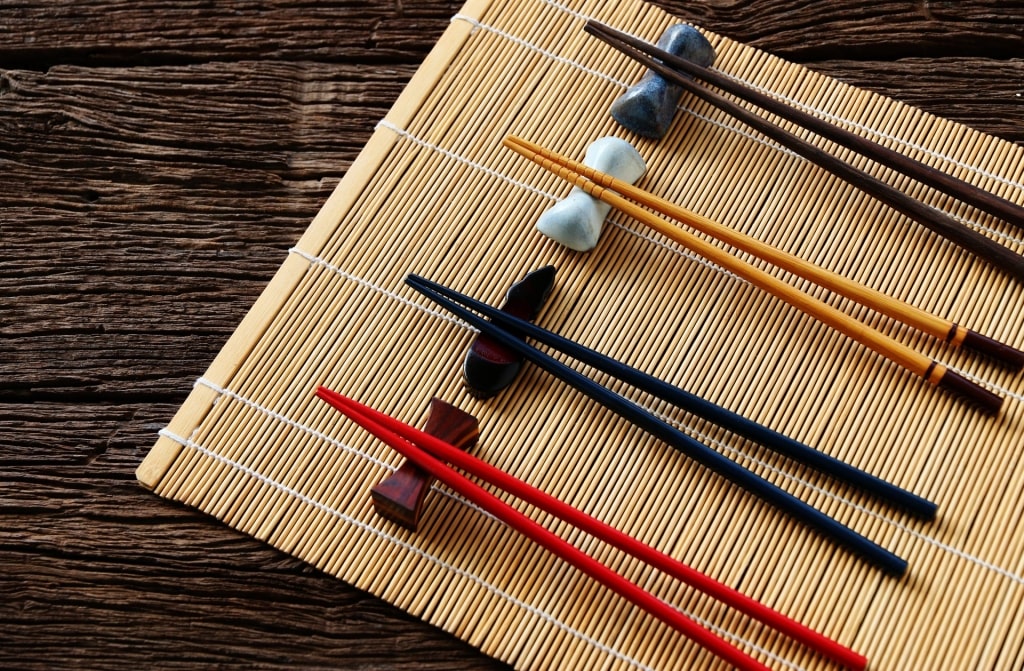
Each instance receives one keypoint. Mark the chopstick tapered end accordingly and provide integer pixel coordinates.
(598, 29)
(1010, 356)
(978, 396)
(520, 146)
(325, 394)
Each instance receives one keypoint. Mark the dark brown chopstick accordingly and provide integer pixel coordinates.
(926, 174)
(663, 63)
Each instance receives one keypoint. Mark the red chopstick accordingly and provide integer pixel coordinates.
(427, 452)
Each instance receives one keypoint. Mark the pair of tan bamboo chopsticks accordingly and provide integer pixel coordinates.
(632, 200)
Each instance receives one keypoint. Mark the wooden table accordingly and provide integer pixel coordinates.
(158, 160)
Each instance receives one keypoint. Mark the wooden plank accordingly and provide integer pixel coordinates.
(159, 31)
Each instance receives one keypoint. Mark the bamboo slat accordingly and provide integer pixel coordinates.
(435, 193)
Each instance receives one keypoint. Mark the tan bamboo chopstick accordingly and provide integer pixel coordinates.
(598, 185)
(936, 326)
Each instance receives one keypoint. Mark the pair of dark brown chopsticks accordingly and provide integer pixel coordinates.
(454, 302)
(431, 453)
(679, 71)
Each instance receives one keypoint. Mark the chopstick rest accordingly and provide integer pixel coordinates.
(400, 496)
(986, 249)
(931, 370)
(696, 67)
(748, 480)
(938, 327)
(489, 367)
(738, 424)
(576, 220)
(648, 107)
(430, 453)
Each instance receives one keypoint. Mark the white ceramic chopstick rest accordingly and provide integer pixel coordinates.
(576, 221)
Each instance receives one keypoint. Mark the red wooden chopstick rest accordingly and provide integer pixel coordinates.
(430, 453)
(400, 496)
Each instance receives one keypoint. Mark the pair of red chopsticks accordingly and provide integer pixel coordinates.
(433, 456)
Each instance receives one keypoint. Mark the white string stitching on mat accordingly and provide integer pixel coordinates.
(277, 416)
(734, 129)
(678, 250)
(316, 260)
(989, 385)
(435, 313)
(494, 173)
(490, 587)
(467, 19)
(547, 54)
(879, 134)
(384, 123)
(407, 135)
(618, 82)
(856, 506)
(829, 115)
(568, 10)
(952, 550)
(288, 421)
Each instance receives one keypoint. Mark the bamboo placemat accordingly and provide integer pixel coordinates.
(434, 193)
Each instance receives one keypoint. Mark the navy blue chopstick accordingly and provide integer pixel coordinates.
(736, 423)
(753, 483)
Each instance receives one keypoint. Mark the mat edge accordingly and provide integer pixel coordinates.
(243, 338)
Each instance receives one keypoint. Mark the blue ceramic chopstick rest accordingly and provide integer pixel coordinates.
(648, 107)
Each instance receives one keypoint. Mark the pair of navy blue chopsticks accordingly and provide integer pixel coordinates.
(508, 330)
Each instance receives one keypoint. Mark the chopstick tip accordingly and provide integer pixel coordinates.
(329, 396)
(600, 30)
(518, 145)
(416, 282)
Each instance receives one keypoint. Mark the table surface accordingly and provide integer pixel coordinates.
(159, 158)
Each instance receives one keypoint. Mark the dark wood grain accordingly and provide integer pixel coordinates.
(158, 160)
